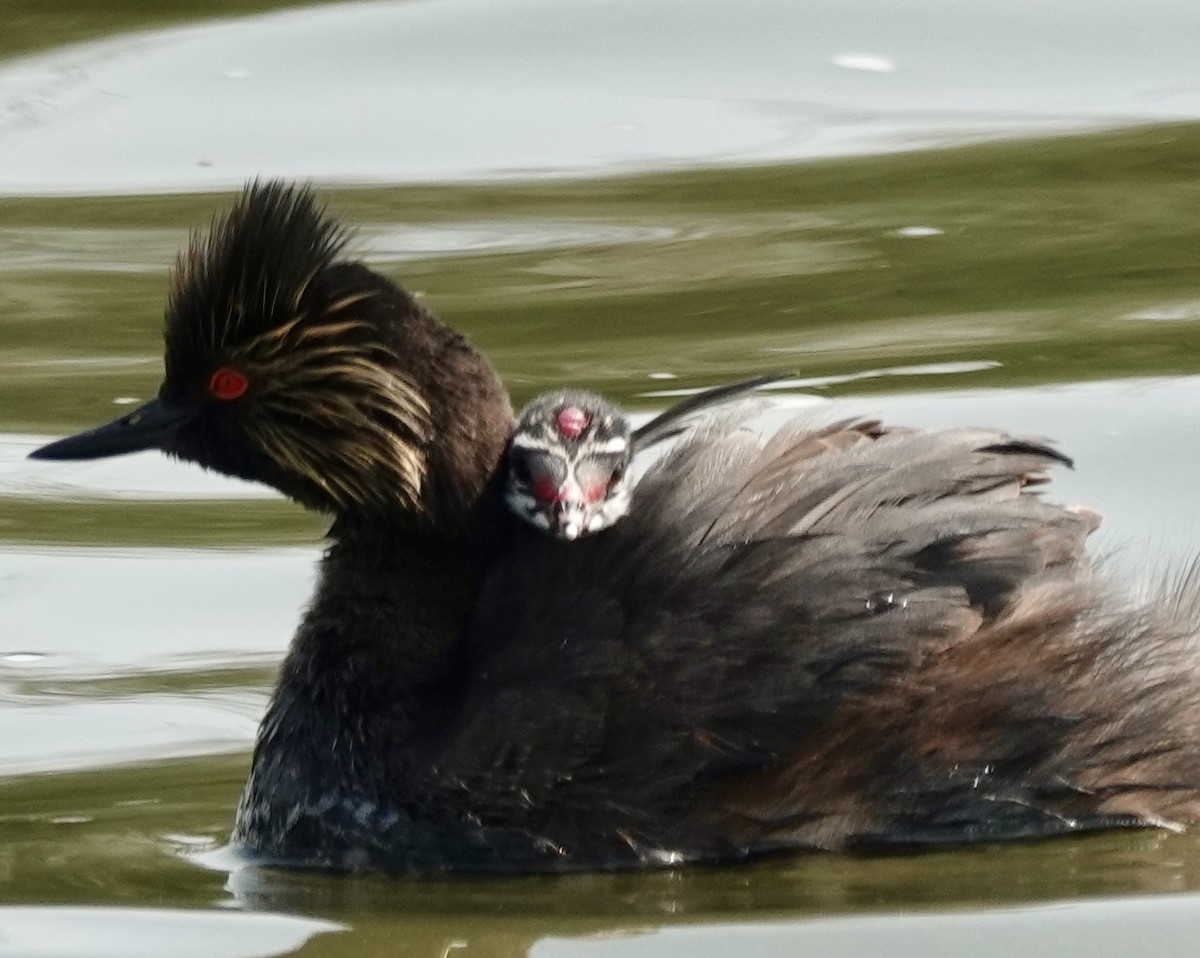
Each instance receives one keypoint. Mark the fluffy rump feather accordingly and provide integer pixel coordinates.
(838, 635)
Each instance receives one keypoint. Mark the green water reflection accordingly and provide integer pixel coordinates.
(1058, 260)
(125, 837)
(1048, 252)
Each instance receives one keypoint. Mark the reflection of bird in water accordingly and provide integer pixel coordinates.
(836, 636)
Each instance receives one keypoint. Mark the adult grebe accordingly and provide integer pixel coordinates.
(840, 635)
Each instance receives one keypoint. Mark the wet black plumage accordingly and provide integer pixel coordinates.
(838, 635)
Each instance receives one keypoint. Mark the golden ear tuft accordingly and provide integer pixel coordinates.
(332, 408)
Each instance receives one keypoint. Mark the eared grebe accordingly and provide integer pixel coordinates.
(837, 636)
(571, 452)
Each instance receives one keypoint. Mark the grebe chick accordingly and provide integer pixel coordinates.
(835, 636)
(571, 452)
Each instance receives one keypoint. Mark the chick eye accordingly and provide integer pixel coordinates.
(227, 383)
(617, 475)
(521, 471)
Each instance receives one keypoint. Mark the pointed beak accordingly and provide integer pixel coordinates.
(147, 427)
(568, 513)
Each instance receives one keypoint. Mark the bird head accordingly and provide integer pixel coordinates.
(567, 464)
(287, 364)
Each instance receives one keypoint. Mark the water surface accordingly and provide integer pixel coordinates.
(453, 90)
(1041, 285)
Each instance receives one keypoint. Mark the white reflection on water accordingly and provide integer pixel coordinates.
(869, 62)
(142, 475)
(814, 382)
(67, 932)
(51, 249)
(75, 617)
(115, 611)
(64, 732)
(394, 242)
(1166, 925)
(469, 89)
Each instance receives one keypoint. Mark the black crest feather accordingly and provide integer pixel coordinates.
(251, 272)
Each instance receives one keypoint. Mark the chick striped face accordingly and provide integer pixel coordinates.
(568, 465)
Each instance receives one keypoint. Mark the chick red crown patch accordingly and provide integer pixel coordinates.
(572, 421)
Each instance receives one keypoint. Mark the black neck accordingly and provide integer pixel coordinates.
(363, 683)
(336, 745)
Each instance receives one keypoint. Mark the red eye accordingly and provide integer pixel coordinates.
(545, 490)
(227, 383)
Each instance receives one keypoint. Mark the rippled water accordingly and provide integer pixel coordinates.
(1044, 285)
